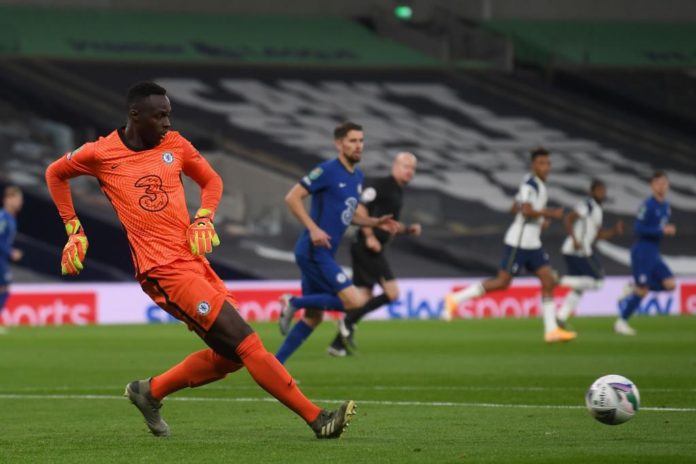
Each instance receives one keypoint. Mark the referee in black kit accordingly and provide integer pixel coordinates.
(382, 195)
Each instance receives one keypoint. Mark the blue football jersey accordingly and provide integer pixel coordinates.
(335, 194)
(651, 219)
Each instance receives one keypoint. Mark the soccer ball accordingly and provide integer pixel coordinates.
(612, 399)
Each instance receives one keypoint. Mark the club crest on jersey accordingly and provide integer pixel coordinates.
(203, 308)
(167, 157)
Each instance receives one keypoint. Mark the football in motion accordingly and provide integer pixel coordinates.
(612, 399)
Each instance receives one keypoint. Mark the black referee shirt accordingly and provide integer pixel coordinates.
(381, 195)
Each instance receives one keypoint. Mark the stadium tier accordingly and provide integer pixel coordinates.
(472, 134)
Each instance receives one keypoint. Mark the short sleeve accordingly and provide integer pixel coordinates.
(317, 179)
(582, 210)
(527, 194)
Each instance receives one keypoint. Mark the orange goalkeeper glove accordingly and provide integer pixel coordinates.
(201, 233)
(75, 250)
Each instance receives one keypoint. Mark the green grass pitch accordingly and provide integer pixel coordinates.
(427, 392)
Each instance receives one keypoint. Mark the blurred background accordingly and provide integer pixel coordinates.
(469, 86)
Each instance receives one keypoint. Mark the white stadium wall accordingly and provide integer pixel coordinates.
(79, 304)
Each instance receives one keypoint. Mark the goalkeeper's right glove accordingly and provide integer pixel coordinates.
(75, 250)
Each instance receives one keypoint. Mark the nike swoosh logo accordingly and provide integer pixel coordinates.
(114, 166)
(341, 184)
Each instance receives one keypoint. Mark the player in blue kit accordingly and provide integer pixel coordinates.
(649, 270)
(12, 204)
(335, 187)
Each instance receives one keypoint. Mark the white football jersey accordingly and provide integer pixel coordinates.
(586, 227)
(526, 233)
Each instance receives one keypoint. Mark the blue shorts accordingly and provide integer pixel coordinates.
(584, 266)
(321, 273)
(649, 270)
(515, 259)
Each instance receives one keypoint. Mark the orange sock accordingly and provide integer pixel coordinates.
(274, 378)
(197, 369)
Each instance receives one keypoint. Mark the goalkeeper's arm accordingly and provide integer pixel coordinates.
(57, 176)
(201, 233)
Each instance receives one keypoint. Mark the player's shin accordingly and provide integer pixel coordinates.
(265, 369)
(548, 307)
(569, 304)
(629, 305)
(472, 291)
(199, 368)
(298, 334)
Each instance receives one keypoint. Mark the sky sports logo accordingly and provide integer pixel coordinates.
(37, 309)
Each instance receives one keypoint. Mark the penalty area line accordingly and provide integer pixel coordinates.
(436, 404)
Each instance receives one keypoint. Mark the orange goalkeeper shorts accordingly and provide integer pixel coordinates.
(188, 290)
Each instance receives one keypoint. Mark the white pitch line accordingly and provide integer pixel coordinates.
(233, 387)
(15, 396)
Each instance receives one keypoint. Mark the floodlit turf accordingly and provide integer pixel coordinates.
(427, 392)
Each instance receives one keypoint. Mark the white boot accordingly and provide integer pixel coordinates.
(621, 327)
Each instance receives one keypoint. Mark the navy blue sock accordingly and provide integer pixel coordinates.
(298, 334)
(628, 305)
(320, 301)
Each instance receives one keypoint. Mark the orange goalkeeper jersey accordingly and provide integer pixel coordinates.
(144, 188)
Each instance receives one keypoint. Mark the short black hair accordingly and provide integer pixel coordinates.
(539, 151)
(596, 183)
(140, 91)
(657, 174)
(342, 129)
(11, 190)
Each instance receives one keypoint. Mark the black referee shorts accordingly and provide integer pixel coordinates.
(369, 268)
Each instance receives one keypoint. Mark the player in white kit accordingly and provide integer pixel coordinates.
(584, 228)
(523, 249)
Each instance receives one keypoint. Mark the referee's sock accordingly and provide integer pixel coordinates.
(319, 301)
(354, 316)
(296, 337)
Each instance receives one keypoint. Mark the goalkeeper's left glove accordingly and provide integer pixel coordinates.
(201, 233)
(75, 250)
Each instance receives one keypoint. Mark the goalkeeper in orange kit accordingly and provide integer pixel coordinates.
(138, 167)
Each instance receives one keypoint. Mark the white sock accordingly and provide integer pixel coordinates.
(569, 305)
(472, 291)
(581, 282)
(548, 306)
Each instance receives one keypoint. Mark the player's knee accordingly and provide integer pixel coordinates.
(547, 285)
(641, 291)
(313, 318)
(502, 282)
(356, 301)
(227, 332)
(669, 284)
(392, 293)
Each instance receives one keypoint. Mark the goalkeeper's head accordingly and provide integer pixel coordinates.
(148, 112)
(12, 199)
